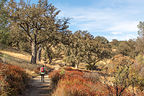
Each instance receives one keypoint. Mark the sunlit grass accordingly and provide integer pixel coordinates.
(17, 55)
(18, 59)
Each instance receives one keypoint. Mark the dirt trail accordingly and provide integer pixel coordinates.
(37, 88)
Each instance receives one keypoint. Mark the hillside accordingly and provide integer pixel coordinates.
(100, 79)
(33, 87)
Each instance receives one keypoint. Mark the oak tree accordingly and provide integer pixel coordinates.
(4, 33)
(96, 49)
(38, 23)
(74, 48)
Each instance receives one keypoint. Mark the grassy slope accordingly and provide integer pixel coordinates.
(21, 59)
(15, 57)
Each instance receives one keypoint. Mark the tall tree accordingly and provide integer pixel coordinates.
(141, 29)
(84, 48)
(4, 34)
(96, 49)
(74, 50)
(140, 39)
(37, 22)
(140, 45)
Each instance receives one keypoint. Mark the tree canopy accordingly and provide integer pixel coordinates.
(38, 23)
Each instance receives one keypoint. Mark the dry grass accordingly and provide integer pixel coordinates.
(25, 57)
(19, 59)
(20, 55)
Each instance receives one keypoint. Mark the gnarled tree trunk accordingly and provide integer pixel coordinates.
(34, 51)
(39, 53)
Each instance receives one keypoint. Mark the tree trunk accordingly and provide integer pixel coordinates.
(117, 93)
(34, 52)
(77, 65)
(50, 59)
(49, 55)
(39, 53)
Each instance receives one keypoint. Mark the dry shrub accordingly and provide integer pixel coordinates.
(1, 60)
(4, 87)
(14, 80)
(92, 76)
(78, 83)
(140, 93)
(55, 77)
(74, 84)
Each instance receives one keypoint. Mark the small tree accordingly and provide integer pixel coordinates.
(122, 74)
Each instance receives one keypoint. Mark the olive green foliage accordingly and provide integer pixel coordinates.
(140, 70)
(127, 48)
(141, 29)
(37, 23)
(83, 47)
(4, 33)
(54, 47)
(139, 66)
(140, 45)
(96, 49)
(51, 52)
(101, 39)
(75, 48)
(140, 39)
(123, 73)
(114, 43)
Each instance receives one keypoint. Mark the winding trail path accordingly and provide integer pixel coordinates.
(37, 88)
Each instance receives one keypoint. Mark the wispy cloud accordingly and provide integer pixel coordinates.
(124, 27)
(114, 19)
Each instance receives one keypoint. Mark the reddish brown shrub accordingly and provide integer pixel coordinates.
(14, 79)
(55, 77)
(73, 84)
(76, 83)
(92, 76)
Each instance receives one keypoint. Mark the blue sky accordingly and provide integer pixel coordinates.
(113, 19)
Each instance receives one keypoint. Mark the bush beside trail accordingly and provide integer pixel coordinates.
(13, 80)
(74, 82)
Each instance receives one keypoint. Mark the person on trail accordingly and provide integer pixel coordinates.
(42, 73)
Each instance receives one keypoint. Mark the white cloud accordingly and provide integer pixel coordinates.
(116, 33)
(124, 27)
(111, 23)
(121, 37)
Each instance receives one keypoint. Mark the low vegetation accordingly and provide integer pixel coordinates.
(73, 82)
(114, 68)
(13, 80)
